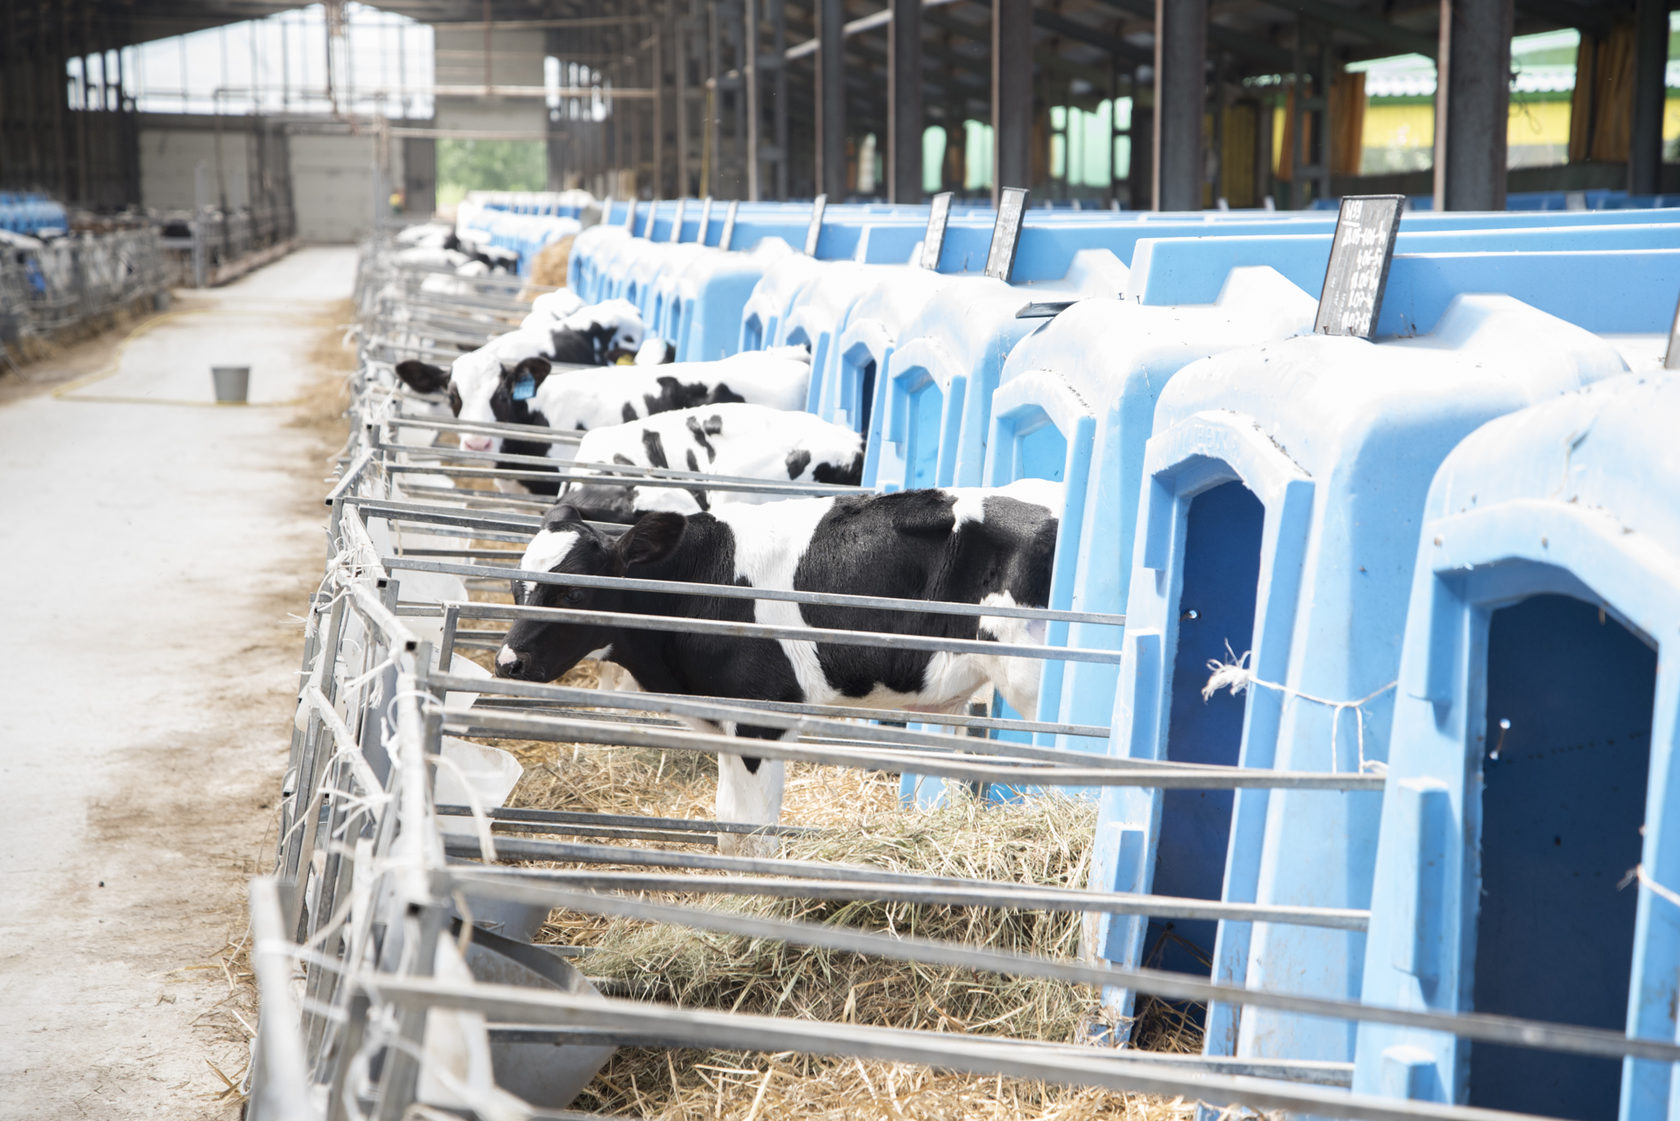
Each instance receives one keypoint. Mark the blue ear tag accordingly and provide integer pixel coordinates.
(525, 388)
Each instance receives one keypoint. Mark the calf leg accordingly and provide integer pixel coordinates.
(750, 795)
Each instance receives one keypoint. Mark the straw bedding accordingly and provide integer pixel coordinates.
(1046, 841)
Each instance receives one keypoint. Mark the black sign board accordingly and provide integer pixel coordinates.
(1671, 360)
(939, 215)
(728, 236)
(1359, 260)
(1006, 233)
(630, 215)
(814, 233)
(705, 219)
(653, 212)
(676, 223)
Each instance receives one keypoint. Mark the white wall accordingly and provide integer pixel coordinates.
(168, 157)
(332, 185)
(516, 59)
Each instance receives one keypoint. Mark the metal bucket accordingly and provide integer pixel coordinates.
(232, 384)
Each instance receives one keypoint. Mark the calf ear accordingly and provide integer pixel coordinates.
(651, 538)
(534, 368)
(422, 377)
(561, 515)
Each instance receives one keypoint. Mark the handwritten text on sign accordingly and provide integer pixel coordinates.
(1358, 271)
(1006, 232)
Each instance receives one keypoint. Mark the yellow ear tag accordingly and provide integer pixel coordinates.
(626, 360)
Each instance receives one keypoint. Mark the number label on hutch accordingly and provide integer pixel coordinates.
(1006, 233)
(933, 241)
(1360, 255)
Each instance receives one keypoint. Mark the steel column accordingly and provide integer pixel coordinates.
(1012, 70)
(1650, 65)
(1473, 103)
(749, 77)
(658, 58)
(779, 95)
(904, 102)
(684, 41)
(1180, 89)
(831, 99)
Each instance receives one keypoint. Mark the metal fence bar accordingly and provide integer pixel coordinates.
(510, 815)
(561, 471)
(937, 764)
(1479, 1026)
(828, 636)
(812, 879)
(971, 1054)
(742, 709)
(533, 433)
(783, 595)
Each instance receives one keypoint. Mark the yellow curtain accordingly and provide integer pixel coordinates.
(1601, 108)
(1237, 153)
(1347, 123)
(1347, 128)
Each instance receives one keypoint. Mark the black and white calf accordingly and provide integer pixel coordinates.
(969, 545)
(585, 399)
(746, 440)
(593, 336)
(551, 307)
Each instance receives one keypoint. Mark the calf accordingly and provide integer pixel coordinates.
(551, 307)
(742, 439)
(592, 336)
(584, 399)
(969, 545)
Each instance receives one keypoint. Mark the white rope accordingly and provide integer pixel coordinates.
(1236, 676)
(1637, 872)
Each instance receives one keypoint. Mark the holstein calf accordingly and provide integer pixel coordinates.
(752, 441)
(551, 307)
(587, 399)
(968, 545)
(592, 336)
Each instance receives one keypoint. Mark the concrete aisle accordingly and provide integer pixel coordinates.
(152, 555)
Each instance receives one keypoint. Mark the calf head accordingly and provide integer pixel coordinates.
(541, 650)
(602, 333)
(602, 502)
(423, 377)
(481, 387)
(516, 385)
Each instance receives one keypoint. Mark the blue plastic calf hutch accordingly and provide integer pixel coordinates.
(1281, 494)
(845, 239)
(934, 402)
(1076, 403)
(865, 339)
(1530, 843)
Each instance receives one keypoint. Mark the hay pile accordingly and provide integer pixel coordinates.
(549, 267)
(1046, 841)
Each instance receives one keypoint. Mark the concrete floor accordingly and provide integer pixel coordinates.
(157, 553)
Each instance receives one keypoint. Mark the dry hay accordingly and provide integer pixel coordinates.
(548, 268)
(1046, 841)
(323, 403)
(734, 1084)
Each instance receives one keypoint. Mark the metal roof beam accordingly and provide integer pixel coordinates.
(1071, 29)
(1238, 43)
(1593, 19)
(1370, 28)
